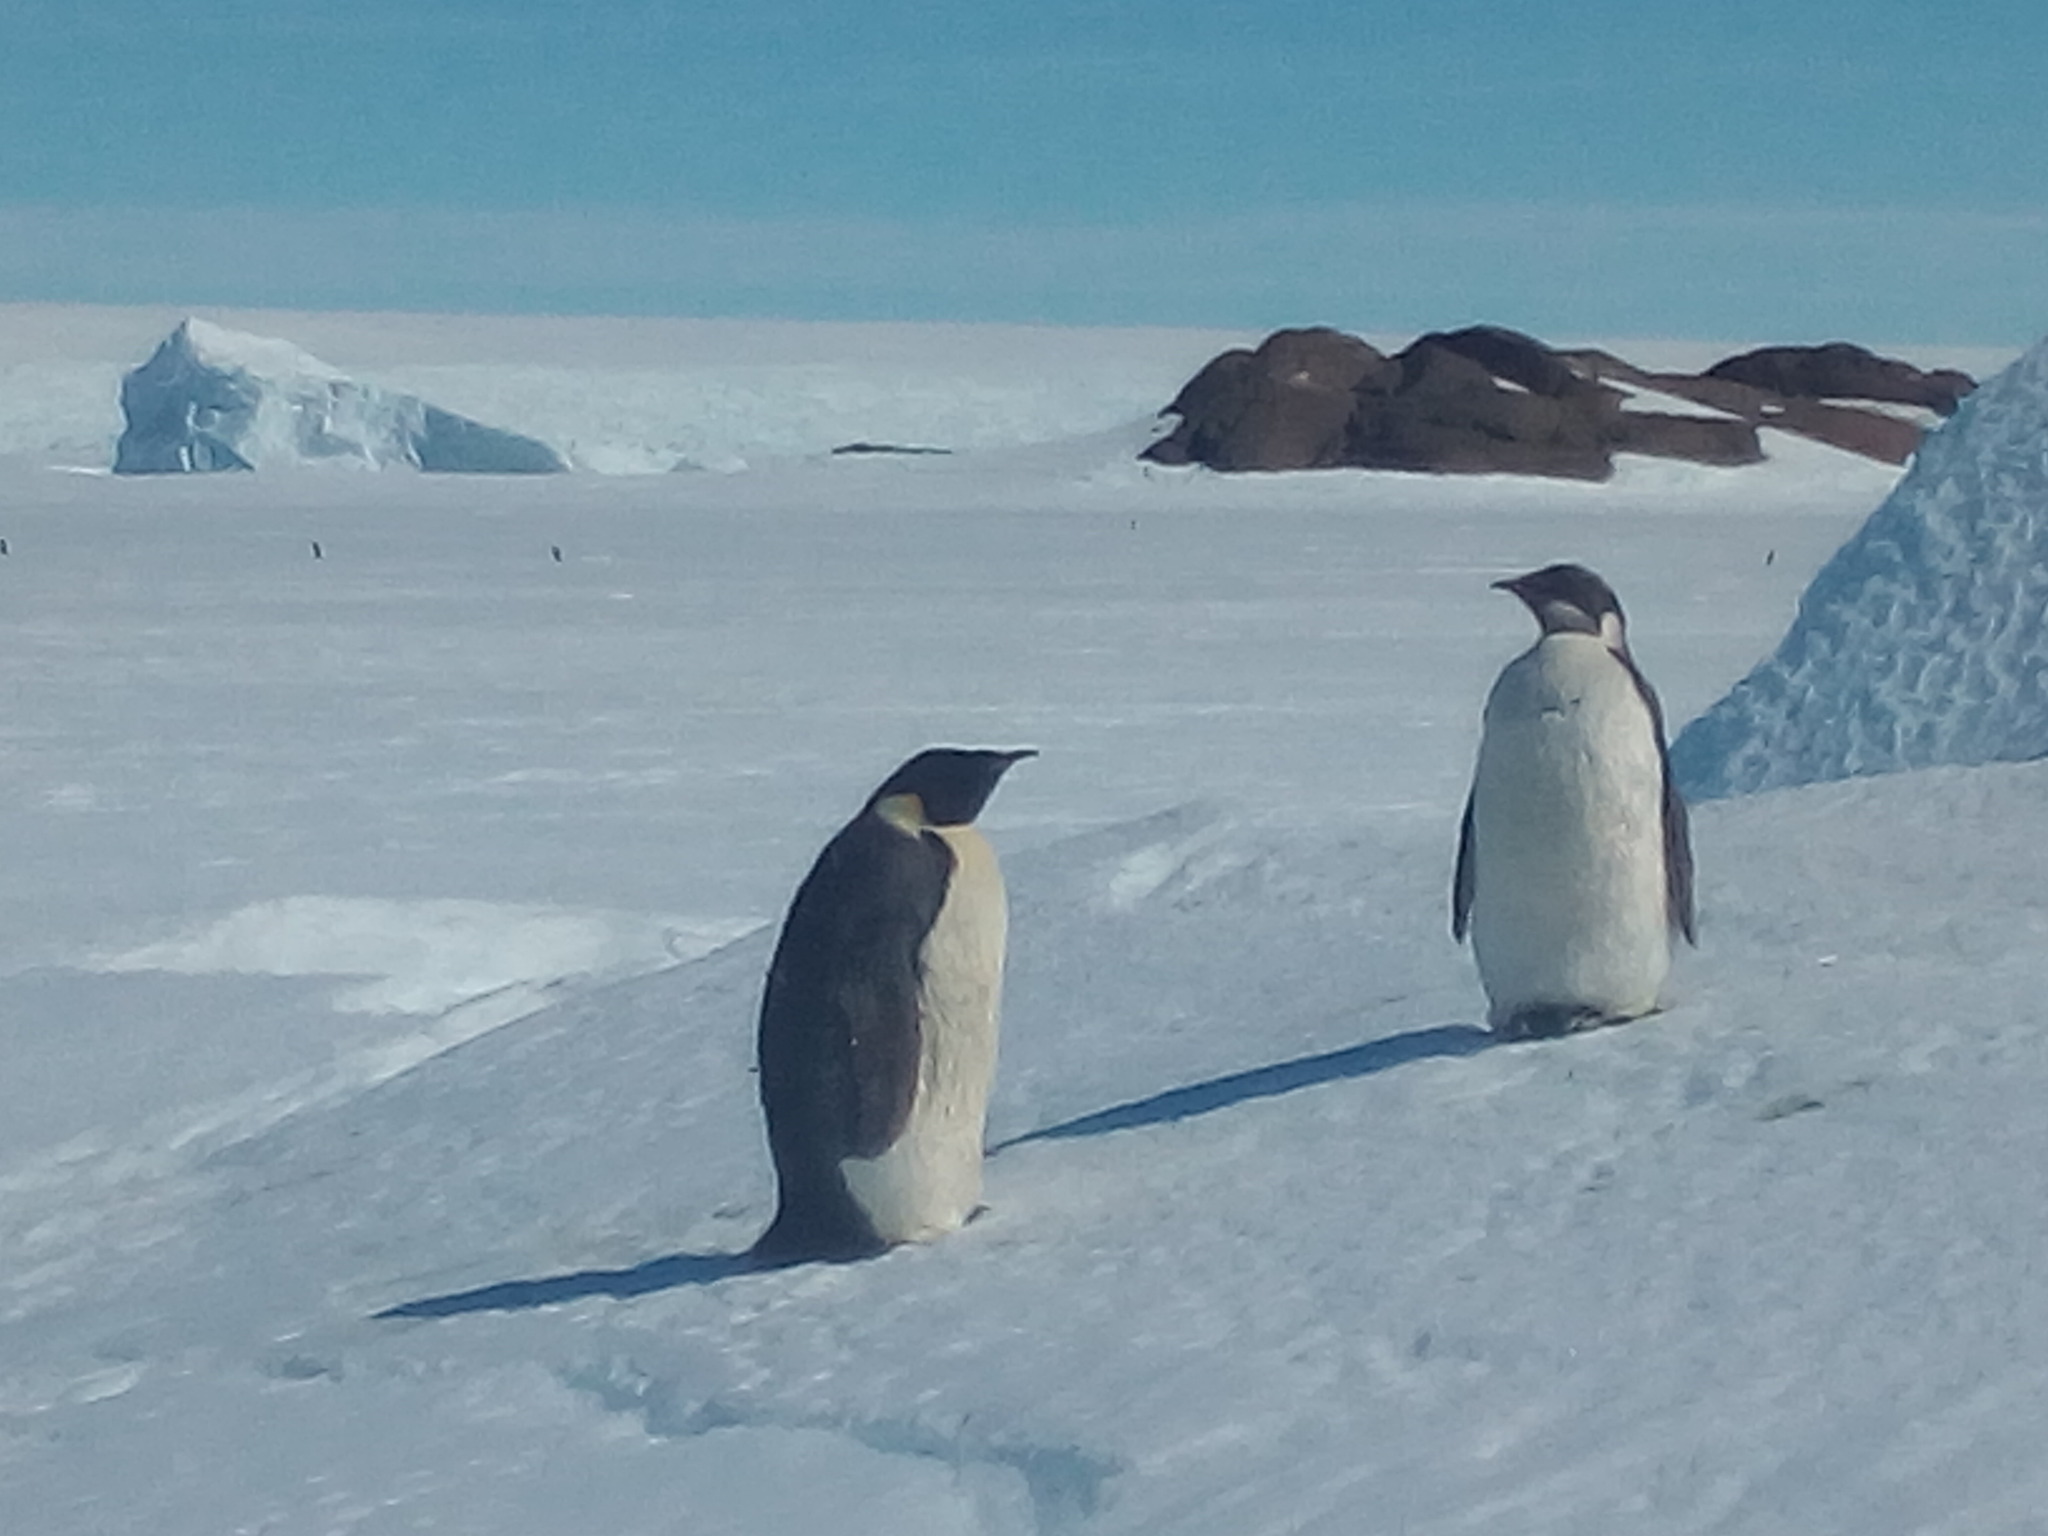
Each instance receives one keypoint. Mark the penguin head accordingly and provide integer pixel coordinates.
(951, 784)
(1569, 599)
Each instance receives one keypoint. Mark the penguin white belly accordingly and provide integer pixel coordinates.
(1568, 900)
(929, 1181)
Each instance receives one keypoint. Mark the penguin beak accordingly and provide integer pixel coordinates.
(1509, 584)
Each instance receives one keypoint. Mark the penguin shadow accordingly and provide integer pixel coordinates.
(671, 1272)
(1267, 1082)
(677, 1270)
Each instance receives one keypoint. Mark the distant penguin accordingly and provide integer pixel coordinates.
(878, 1024)
(1574, 858)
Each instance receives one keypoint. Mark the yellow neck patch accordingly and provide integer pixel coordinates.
(903, 812)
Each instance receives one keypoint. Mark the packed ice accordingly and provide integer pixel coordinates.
(1924, 640)
(210, 398)
(382, 935)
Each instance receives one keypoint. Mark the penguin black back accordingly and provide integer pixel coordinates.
(839, 1040)
(840, 1032)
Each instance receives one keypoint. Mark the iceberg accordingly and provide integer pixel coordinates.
(210, 398)
(1924, 639)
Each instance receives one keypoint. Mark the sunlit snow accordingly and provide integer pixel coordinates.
(383, 932)
(1925, 639)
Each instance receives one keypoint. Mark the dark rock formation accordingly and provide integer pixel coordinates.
(1872, 434)
(1451, 414)
(1517, 358)
(1484, 400)
(1721, 440)
(1286, 405)
(1488, 400)
(1842, 371)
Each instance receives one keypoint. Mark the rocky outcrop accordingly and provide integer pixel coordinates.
(1488, 400)
(1286, 405)
(1320, 399)
(1718, 440)
(1873, 434)
(214, 399)
(1452, 413)
(1840, 370)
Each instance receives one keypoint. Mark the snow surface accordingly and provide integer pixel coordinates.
(639, 396)
(1656, 402)
(650, 395)
(383, 932)
(1924, 640)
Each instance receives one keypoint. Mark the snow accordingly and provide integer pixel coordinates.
(426, 956)
(638, 396)
(270, 356)
(382, 935)
(1922, 641)
(1924, 417)
(1655, 401)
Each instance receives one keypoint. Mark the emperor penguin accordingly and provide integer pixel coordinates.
(877, 1043)
(1574, 858)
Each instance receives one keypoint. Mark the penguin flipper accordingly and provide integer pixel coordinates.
(1676, 824)
(1462, 879)
(1678, 895)
(839, 1038)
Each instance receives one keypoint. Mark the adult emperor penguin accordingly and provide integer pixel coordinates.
(1574, 859)
(878, 1023)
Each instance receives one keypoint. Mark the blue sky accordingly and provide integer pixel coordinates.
(1578, 168)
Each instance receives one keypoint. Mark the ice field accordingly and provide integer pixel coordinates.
(385, 929)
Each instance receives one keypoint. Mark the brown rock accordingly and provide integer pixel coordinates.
(1450, 416)
(1488, 400)
(1873, 434)
(1888, 439)
(1723, 440)
(1284, 406)
(1520, 359)
(1841, 370)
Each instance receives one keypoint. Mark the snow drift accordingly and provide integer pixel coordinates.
(214, 399)
(1278, 1241)
(1924, 640)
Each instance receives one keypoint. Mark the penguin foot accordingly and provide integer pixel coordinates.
(793, 1240)
(1548, 1021)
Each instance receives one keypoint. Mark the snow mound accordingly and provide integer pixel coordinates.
(214, 399)
(1924, 640)
(426, 955)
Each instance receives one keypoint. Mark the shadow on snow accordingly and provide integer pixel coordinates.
(683, 1269)
(1268, 1082)
(677, 1269)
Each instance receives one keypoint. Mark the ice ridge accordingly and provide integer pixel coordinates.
(1924, 639)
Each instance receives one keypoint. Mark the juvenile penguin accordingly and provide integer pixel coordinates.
(1574, 858)
(878, 1023)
